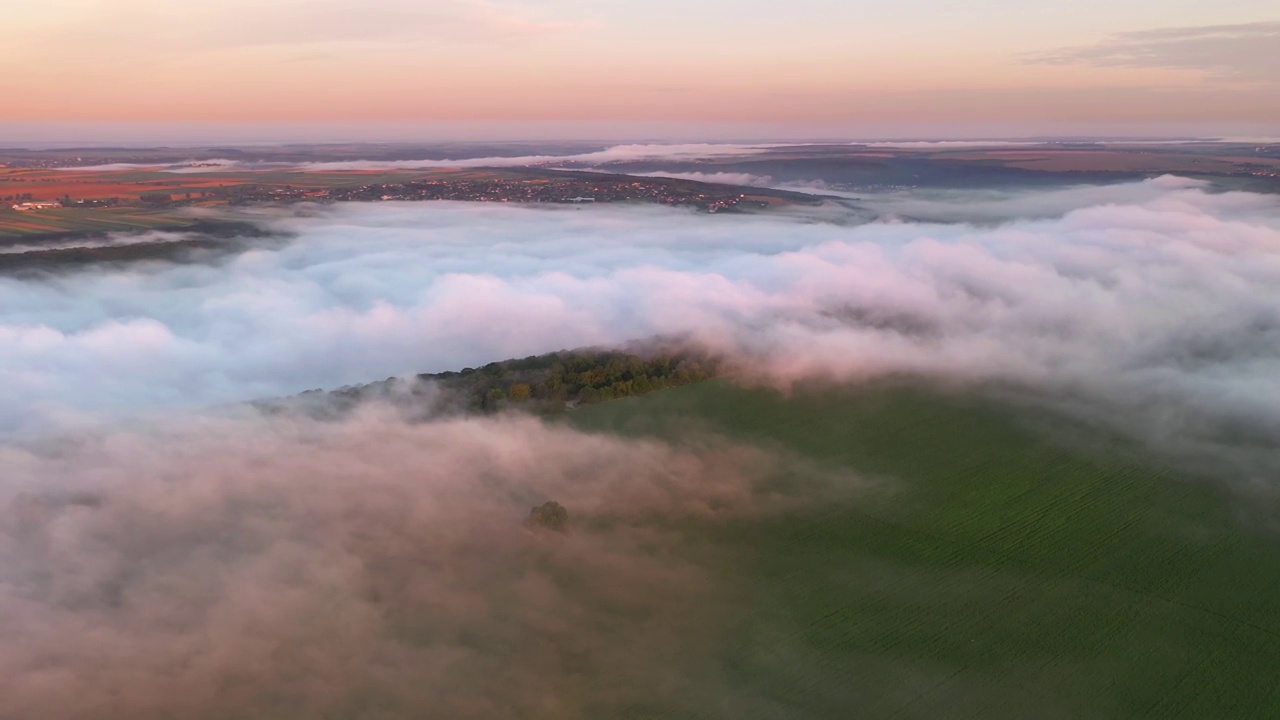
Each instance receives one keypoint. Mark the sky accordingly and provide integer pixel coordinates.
(253, 70)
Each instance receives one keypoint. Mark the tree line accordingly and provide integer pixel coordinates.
(543, 384)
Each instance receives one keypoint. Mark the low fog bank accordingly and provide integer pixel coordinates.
(985, 206)
(1155, 305)
(208, 238)
(462, 157)
(244, 567)
(109, 240)
(993, 206)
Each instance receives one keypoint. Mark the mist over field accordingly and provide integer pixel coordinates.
(109, 241)
(665, 360)
(158, 561)
(247, 568)
(672, 152)
(1161, 296)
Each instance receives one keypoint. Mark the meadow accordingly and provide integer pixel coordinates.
(128, 186)
(1001, 564)
(16, 225)
(201, 189)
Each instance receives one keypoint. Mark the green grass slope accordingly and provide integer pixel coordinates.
(1001, 573)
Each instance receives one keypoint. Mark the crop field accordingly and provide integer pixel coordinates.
(129, 184)
(90, 185)
(52, 185)
(61, 220)
(992, 569)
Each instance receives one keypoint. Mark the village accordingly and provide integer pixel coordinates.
(558, 190)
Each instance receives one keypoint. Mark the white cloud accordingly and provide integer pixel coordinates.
(309, 565)
(111, 240)
(729, 178)
(613, 154)
(243, 567)
(947, 144)
(164, 29)
(1158, 294)
(998, 205)
(1224, 52)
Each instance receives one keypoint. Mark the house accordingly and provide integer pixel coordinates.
(29, 206)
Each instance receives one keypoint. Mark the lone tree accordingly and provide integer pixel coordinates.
(550, 515)
(155, 198)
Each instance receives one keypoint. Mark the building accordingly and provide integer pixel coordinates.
(29, 206)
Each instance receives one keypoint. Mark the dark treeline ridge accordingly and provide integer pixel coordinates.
(201, 240)
(221, 229)
(542, 384)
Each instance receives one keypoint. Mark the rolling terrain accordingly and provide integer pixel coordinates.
(95, 202)
(993, 570)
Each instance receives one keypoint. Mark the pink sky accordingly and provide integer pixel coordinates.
(809, 67)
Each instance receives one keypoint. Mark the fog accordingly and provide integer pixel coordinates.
(947, 144)
(730, 178)
(1160, 293)
(109, 240)
(988, 206)
(167, 553)
(1049, 141)
(236, 567)
(204, 166)
(612, 154)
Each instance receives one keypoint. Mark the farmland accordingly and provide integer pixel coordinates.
(93, 202)
(126, 188)
(15, 225)
(130, 184)
(991, 570)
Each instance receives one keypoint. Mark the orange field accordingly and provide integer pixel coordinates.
(6, 224)
(54, 184)
(90, 185)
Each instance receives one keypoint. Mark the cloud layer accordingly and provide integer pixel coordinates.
(1225, 52)
(110, 240)
(1161, 295)
(612, 154)
(236, 567)
(224, 564)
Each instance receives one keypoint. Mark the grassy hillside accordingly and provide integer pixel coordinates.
(996, 573)
(46, 224)
(539, 384)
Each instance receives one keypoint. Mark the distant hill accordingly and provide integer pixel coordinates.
(542, 384)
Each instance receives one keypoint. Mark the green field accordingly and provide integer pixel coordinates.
(991, 572)
(16, 225)
(58, 221)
